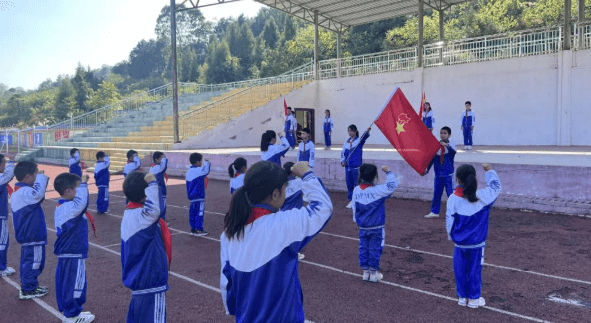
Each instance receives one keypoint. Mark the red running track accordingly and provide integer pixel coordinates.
(530, 258)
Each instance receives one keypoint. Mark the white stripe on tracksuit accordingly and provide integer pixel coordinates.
(159, 307)
(37, 257)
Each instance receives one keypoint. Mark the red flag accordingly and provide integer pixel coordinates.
(206, 181)
(404, 129)
(423, 100)
(285, 106)
(167, 239)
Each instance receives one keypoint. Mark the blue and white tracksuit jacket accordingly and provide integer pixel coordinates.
(159, 170)
(102, 178)
(369, 213)
(264, 286)
(443, 175)
(133, 166)
(71, 248)
(429, 119)
(294, 198)
(306, 152)
(352, 166)
(30, 229)
(327, 126)
(467, 226)
(195, 178)
(144, 261)
(75, 167)
(5, 178)
(236, 183)
(467, 123)
(274, 152)
(291, 124)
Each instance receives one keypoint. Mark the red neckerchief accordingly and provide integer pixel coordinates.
(166, 236)
(459, 191)
(364, 186)
(90, 218)
(165, 175)
(237, 174)
(10, 190)
(442, 157)
(82, 165)
(257, 212)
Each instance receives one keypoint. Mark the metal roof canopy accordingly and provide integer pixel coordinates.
(339, 15)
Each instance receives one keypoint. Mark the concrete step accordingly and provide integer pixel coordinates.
(163, 139)
(136, 145)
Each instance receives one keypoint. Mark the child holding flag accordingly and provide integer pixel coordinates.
(467, 125)
(444, 170)
(7, 170)
(369, 213)
(352, 157)
(466, 222)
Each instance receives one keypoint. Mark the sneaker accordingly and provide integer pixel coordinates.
(365, 276)
(431, 215)
(350, 205)
(375, 276)
(200, 233)
(462, 301)
(476, 303)
(301, 256)
(43, 288)
(193, 232)
(38, 292)
(7, 272)
(82, 318)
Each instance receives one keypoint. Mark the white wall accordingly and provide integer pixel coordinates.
(537, 100)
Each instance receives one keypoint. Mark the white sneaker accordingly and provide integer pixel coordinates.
(376, 276)
(301, 256)
(365, 275)
(84, 317)
(462, 301)
(350, 205)
(431, 215)
(476, 303)
(7, 272)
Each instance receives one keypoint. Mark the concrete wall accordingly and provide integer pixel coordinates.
(537, 100)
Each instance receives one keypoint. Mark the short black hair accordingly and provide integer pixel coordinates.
(65, 181)
(306, 130)
(100, 154)
(367, 173)
(290, 109)
(157, 155)
(134, 186)
(24, 168)
(73, 151)
(468, 103)
(448, 129)
(130, 154)
(287, 167)
(195, 157)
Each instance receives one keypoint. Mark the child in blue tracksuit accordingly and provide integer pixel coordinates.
(353, 147)
(327, 126)
(75, 166)
(294, 197)
(236, 170)
(144, 260)
(466, 223)
(444, 170)
(30, 230)
(290, 127)
(7, 170)
(306, 151)
(196, 192)
(369, 213)
(261, 284)
(71, 246)
(102, 178)
(428, 118)
(467, 125)
(269, 150)
(159, 170)
(133, 164)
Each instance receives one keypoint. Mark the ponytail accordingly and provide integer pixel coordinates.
(236, 166)
(231, 170)
(467, 176)
(260, 181)
(354, 128)
(266, 138)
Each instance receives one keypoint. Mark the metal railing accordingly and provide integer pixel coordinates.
(257, 94)
(582, 37)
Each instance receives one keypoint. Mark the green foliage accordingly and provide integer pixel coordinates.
(107, 94)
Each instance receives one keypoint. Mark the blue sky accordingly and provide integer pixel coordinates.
(41, 39)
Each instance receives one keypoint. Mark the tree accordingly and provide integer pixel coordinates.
(290, 29)
(147, 59)
(270, 33)
(221, 65)
(65, 101)
(106, 94)
(82, 88)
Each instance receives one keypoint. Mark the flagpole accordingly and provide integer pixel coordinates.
(355, 148)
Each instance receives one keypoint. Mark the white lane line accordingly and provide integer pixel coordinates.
(41, 303)
(340, 271)
(436, 254)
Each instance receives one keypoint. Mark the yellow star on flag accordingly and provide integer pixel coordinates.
(400, 127)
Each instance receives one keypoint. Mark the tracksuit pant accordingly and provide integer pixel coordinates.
(147, 308)
(70, 285)
(371, 243)
(32, 264)
(467, 136)
(290, 138)
(351, 176)
(440, 184)
(327, 140)
(102, 200)
(468, 271)
(4, 243)
(196, 214)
